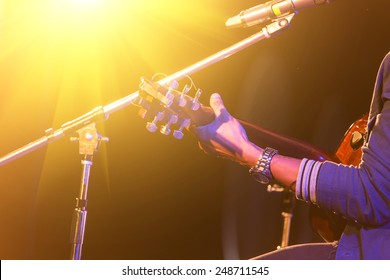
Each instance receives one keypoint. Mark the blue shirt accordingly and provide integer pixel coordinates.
(360, 194)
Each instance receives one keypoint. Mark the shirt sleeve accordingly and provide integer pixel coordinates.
(307, 180)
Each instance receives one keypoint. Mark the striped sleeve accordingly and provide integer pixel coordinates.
(307, 180)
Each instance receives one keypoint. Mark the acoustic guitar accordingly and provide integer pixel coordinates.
(172, 111)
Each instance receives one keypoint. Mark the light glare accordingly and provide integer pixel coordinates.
(87, 2)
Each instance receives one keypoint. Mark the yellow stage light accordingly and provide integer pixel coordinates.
(87, 2)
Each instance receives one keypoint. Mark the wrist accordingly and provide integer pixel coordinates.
(251, 155)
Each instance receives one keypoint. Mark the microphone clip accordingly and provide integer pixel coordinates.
(278, 25)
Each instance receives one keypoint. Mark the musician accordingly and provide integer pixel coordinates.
(360, 194)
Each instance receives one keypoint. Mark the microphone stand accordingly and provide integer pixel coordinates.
(88, 136)
(89, 141)
(287, 205)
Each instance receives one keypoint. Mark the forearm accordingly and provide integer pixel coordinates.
(285, 170)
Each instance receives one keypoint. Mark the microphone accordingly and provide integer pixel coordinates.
(269, 11)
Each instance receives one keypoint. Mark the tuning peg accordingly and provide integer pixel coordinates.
(152, 126)
(165, 129)
(174, 85)
(182, 100)
(195, 103)
(178, 134)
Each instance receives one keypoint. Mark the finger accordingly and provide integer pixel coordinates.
(217, 105)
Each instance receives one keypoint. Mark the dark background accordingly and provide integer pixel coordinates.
(151, 196)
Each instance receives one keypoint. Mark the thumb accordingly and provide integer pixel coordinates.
(217, 105)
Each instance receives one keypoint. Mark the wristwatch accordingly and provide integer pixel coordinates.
(261, 172)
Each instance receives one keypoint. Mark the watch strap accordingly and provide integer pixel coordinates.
(263, 165)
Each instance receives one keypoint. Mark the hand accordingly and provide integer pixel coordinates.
(225, 137)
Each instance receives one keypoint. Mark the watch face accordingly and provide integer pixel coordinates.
(259, 177)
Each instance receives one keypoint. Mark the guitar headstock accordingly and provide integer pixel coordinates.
(170, 109)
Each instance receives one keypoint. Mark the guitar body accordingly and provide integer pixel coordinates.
(349, 151)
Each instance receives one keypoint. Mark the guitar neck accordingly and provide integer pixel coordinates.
(286, 145)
